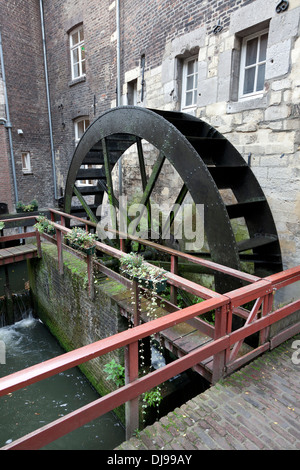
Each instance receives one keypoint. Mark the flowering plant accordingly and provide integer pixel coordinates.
(133, 266)
(81, 238)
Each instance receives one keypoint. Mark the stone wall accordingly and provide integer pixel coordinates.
(265, 129)
(63, 304)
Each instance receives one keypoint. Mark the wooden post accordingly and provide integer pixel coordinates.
(266, 309)
(220, 330)
(131, 374)
(38, 243)
(122, 244)
(174, 270)
(90, 273)
(137, 310)
(59, 251)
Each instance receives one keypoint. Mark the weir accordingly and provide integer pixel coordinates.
(223, 348)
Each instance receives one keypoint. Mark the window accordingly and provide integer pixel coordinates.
(253, 64)
(26, 164)
(189, 83)
(80, 127)
(77, 53)
(132, 92)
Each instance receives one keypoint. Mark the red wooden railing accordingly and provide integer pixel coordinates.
(223, 347)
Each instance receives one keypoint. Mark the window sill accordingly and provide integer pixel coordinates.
(27, 172)
(77, 80)
(246, 104)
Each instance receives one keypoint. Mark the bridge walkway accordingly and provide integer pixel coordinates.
(17, 253)
(256, 408)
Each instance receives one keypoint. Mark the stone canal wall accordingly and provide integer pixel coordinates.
(63, 304)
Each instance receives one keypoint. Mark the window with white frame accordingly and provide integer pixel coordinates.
(253, 64)
(26, 163)
(77, 50)
(80, 126)
(189, 83)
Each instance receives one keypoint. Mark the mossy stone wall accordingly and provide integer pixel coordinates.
(63, 304)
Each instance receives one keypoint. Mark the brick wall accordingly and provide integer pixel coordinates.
(24, 69)
(6, 193)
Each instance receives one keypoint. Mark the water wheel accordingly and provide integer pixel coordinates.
(207, 165)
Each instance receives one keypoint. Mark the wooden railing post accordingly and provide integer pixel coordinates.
(221, 326)
(38, 243)
(59, 251)
(266, 309)
(122, 244)
(137, 309)
(131, 374)
(174, 270)
(90, 274)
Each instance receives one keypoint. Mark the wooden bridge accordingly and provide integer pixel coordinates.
(213, 350)
(17, 253)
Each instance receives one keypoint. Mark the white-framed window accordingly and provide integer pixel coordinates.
(26, 162)
(189, 83)
(253, 65)
(80, 126)
(77, 50)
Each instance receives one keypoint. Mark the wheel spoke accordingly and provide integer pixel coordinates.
(84, 204)
(110, 191)
(173, 213)
(149, 188)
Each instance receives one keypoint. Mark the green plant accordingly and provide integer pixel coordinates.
(115, 372)
(81, 238)
(2, 225)
(32, 206)
(44, 225)
(20, 206)
(133, 266)
(153, 397)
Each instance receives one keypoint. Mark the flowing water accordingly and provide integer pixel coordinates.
(29, 342)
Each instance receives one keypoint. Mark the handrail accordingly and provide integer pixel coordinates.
(192, 258)
(72, 421)
(222, 348)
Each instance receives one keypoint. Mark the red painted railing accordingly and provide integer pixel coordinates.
(223, 347)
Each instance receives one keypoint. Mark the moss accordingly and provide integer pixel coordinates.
(47, 288)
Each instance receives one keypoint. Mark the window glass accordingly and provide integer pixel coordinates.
(253, 64)
(189, 83)
(77, 53)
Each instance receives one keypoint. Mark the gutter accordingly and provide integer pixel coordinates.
(119, 83)
(48, 100)
(7, 124)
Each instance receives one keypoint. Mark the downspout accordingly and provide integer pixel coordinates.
(8, 124)
(48, 100)
(119, 82)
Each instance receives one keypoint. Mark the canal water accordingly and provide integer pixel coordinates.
(29, 342)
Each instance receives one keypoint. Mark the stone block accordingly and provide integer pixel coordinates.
(278, 59)
(208, 90)
(277, 112)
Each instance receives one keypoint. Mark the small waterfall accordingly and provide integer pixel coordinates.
(15, 308)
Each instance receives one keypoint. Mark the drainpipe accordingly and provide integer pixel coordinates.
(8, 123)
(48, 99)
(119, 82)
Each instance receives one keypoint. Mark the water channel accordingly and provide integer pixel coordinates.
(29, 342)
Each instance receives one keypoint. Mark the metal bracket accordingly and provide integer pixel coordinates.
(282, 6)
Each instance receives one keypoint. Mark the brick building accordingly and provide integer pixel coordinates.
(235, 64)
